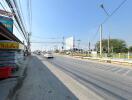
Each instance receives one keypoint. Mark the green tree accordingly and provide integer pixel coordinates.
(130, 48)
(56, 51)
(116, 45)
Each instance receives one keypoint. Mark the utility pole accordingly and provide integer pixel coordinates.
(89, 49)
(63, 39)
(128, 54)
(101, 40)
(102, 6)
(78, 43)
(89, 46)
(28, 44)
(109, 44)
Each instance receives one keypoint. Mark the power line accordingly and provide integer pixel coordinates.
(55, 38)
(5, 4)
(46, 42)
(14, 23)
(110, 15)
(2, 5)
(17, 17)
(22, 13)
(102, 6)
(29, 9)
(95, 35)
(123, 2)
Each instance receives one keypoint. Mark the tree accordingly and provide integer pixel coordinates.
(56, 51)
(116, 45)
(130, 49)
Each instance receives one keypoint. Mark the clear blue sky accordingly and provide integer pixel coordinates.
(80, 18)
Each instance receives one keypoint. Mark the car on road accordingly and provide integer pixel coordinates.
(48, 55)
(38, 53)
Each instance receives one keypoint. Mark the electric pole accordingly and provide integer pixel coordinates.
(101, 40)
(89, 46)
(63, 39)
(28, 44)
(102, 6)
(78, 43)
(109, 44)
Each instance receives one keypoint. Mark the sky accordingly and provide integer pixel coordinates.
(54, 19)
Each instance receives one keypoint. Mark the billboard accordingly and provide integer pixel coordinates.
(69, 43)
(7, 22)
(11, 45)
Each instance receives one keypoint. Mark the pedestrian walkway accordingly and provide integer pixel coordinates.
(8, 86)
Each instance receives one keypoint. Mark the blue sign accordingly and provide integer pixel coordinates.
(7, 22)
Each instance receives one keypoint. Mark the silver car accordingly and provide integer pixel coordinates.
(48, 55)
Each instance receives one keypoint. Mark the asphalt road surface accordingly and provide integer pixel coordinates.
(109, 81)
(41, 84)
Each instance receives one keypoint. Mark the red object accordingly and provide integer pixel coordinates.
(5, 72)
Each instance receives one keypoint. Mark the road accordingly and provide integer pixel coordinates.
(109, 81)
(41, 84)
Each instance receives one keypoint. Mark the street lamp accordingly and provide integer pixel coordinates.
(102, 6)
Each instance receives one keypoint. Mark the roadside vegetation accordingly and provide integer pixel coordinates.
(117, 49)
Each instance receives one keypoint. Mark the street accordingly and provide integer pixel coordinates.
(65, 50)
(41, 84)
(107, 81)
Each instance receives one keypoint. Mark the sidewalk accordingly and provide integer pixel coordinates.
(9, 86)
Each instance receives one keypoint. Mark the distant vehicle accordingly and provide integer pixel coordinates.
(67, 53)
(48, 55)
(38, 53)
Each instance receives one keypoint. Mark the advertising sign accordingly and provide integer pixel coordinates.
(11, 45)
(7, 22)
(69, 43)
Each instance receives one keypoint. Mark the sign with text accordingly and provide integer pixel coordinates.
(69, 43)
(11, 45)
(7, 22)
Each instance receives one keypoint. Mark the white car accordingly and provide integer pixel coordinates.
(48, 55)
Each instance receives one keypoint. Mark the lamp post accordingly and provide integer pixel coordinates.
(101, 40)
(102, 6)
